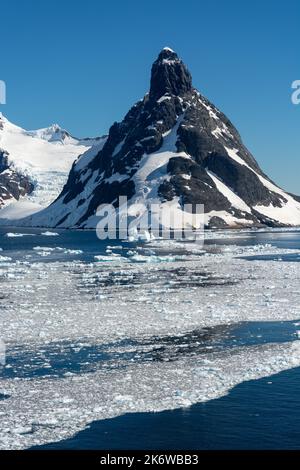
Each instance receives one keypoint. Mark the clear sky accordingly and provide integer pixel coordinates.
(82, 64)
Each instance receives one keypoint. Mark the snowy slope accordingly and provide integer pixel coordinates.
(45, 157)
(151, 173)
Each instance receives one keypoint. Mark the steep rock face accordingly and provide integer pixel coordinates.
(175, 146)
(169, 75)
(13, 184)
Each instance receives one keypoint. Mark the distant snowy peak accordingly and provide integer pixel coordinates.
(176, 147)
(34, 165)
(54, 133)
(57, 134)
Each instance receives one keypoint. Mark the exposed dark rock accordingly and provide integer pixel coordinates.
(206, 148)
(217, 222)
(12, 183)
(242, 181)
(169, 75)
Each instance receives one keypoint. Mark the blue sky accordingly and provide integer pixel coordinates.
(84, 63)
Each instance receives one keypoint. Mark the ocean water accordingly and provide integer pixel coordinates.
(114, 345)
(257, 415)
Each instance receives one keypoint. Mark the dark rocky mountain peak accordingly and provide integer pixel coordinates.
(169, 75)
(174, 146)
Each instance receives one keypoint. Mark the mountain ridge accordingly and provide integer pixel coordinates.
(176, 146)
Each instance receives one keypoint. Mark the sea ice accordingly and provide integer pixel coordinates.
(49, 234)
(121, 305)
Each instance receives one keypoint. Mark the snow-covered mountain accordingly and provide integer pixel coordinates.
(176, 146)
(55, 133)
(34, 166)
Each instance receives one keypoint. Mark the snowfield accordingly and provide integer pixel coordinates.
(46, 156)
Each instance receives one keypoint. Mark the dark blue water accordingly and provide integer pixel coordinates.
(86, 241)
(284, 240)
(3, 396)
(90, 245)
(292, 257)
(260, 414)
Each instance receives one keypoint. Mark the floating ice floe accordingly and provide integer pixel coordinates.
(137, 258)
(4, 258)
(112, 257)
(18, 235)
(50, 234)
(47, 250)
(43, 248)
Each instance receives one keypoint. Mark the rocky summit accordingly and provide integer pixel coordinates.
(176, 147)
